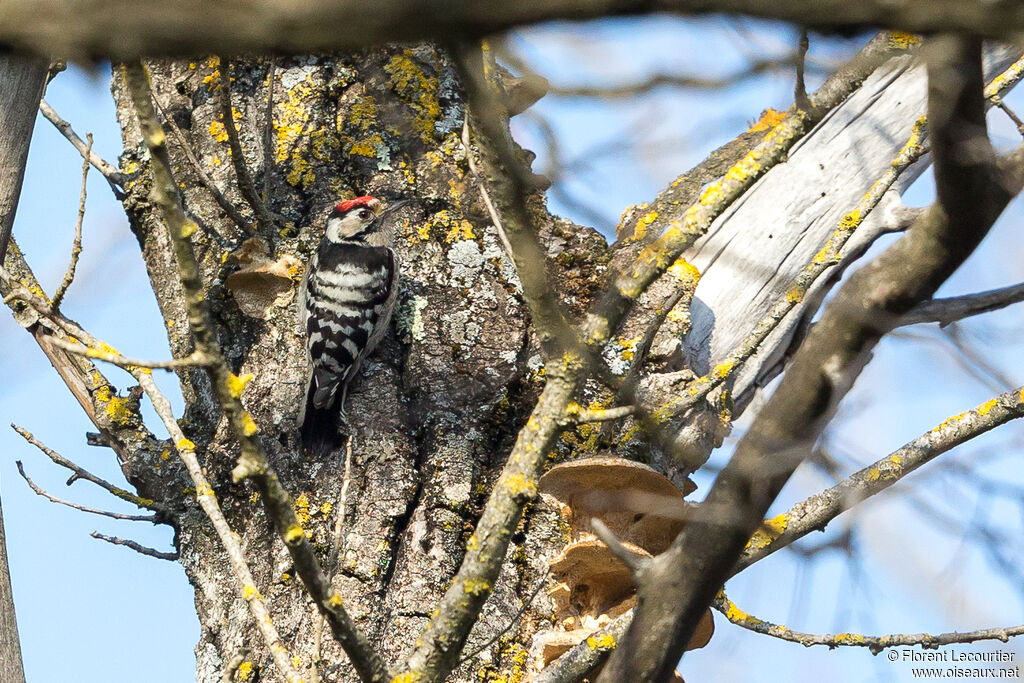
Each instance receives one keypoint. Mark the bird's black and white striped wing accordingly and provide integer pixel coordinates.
(348, 298)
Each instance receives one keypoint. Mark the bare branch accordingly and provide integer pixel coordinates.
(114, 177)
(76, 245)
(81, 473)
(800, 98)
(268, 131)
(512, 622)
(635, 562)
(947, 311)
(656, 81)
(21, 87)
(332, 561)
(76, 506)
(150, 552)
(506, 174)
(874, 643)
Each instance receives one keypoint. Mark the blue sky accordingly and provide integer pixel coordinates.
(119, 616)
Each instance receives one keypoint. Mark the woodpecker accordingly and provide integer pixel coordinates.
(345, 303)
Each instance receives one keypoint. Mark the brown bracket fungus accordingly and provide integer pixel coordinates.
(642, 508)
(261, 283)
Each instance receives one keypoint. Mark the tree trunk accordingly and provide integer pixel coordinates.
(438, 403)
(21, 86)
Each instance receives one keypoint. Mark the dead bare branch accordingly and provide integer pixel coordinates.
(82, 508)
(114, 177)
(149, 552)
(76, 245)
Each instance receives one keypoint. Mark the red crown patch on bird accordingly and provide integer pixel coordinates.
(349, 204)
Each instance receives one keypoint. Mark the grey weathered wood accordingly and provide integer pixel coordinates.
(21, 86)
(11, 670)
(754, 251)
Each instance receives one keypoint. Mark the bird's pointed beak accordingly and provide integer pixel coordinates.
(396, 205)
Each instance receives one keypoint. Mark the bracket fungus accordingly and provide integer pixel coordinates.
(261, 283)
(642, 508)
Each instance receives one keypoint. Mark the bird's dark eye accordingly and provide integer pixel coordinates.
(363, 213)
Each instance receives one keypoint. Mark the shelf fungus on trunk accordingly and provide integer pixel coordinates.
(261, 283)
(644, 510)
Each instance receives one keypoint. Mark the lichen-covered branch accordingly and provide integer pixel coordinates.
(874, 643)
(575, 664)
(207, 500)
(119, 422)
(252, 462)
(866, 307)
(814, 513)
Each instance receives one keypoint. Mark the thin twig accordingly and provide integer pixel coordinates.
(264, 220)
(635, 562)
(109, 355)
(82, 508)
(205, 180)
(150, 552)
(816, 512)
(512, 622)
(332, 561)
(268, 131)
(495, 218)
(946, 311)
(874, 643)
(998, 101)
(81, 473)
(800, 98)
(109, 171)
(76, 245)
